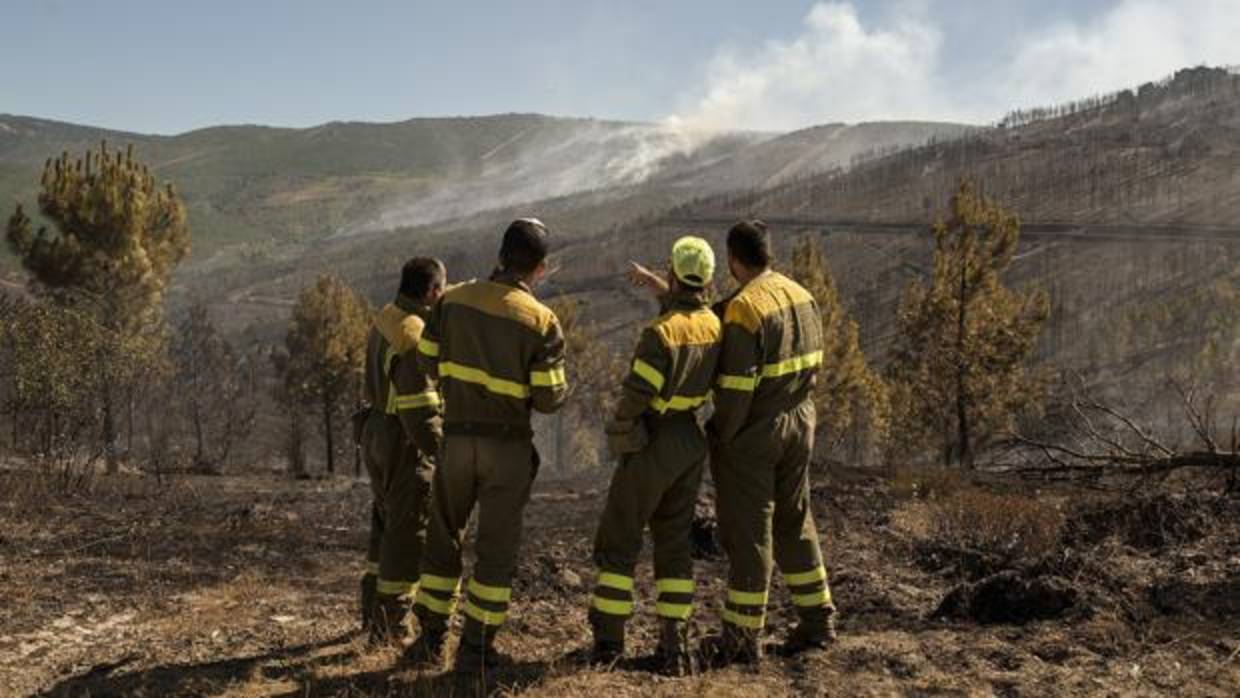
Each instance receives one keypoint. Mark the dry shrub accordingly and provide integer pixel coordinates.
(927, 483)
(1012, 526)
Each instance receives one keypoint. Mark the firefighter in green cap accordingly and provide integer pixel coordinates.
(662, 450)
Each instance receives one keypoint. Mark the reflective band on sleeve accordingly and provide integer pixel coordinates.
(793, 365)
(489, 593)
(615, 581)
(499, 386)
(548, 379)
(822, 597)
(679, 403)
(613, 607)
(648, 373)
(429, 398)
(743, 383)
(484, 616)
(742, 620)
(674, 586)
(797, 579)
(679, 611)
(747, 598)
(441, 606)
(390, 587)
(429, 348)
(448, 584)
(372, 568)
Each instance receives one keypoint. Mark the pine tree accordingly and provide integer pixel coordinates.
(117, 237)
(326, 345)
(218, 393)
(851, 399)
(960, 363)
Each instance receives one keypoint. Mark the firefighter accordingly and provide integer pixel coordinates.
(400, 436)
(762, 436)
(662, 452)
(498, 353)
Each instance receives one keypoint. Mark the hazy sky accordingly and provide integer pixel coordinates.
(168, 66)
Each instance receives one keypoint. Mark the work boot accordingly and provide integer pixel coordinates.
(388, 620)
(426, 651)
(477, 659)
(815, 631)
(606, 653)
(367, 600)
(732, 645)
(672, 657)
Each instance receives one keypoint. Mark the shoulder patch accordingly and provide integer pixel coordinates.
(679, 328)
(401, 330)
(742, 311)
(501, 300)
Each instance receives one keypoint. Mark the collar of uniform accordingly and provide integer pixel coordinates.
(683, 299)
(507, 278)
(765, 273)
(414, 307)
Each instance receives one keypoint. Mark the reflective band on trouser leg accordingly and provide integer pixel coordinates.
(613, 594)
(437, 594)
(746, 609)
(390, 587)
(675, 598)
(809, 589)
(372, 567)
(487, 604)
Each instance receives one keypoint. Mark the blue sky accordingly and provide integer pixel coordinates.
(166, 66)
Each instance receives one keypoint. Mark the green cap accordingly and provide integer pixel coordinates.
(693, 261)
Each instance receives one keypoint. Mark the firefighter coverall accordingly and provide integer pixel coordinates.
(763, 436)
(498, 353)
(400, 440)
(662, 451)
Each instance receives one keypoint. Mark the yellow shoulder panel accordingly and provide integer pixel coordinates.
(401, 330)
(678, 329)
(742, 311)
(503, 301)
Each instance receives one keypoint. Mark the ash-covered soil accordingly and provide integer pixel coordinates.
(247, 586)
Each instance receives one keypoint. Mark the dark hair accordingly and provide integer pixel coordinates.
(524, 247)
(750, 244)
(420, 275)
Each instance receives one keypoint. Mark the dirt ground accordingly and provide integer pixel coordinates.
(246, 586)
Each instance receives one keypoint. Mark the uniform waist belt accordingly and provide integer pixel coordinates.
(488, 430)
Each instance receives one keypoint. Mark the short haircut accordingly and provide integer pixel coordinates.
(524, 247)
(749, 243)
(420, 275)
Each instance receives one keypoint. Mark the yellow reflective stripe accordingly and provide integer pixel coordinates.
(822, 597)
(372, 568)
(679, 403)
(793, 365)
(550, 378)
(441, 606)
(476, 376)
(484, 616)
(489, 593)
(747, 598)
(395, 587)
(435, 583)
(648, 373)
(743, 383)
(797, 579)
(390, 407)
(613, 607)
(674, 586)
(429, 398)
(679, 611)
(615, 581)
(428, 347)
(744, 621)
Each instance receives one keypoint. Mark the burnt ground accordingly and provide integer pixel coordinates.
(246, 586)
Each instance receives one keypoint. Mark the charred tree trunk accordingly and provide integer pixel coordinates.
(327, 433)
